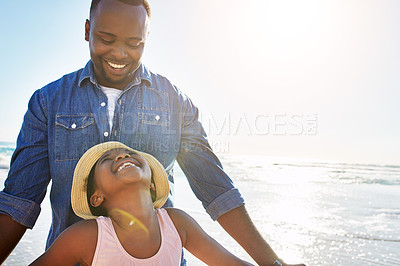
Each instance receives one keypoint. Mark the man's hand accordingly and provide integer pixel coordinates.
(10, 234)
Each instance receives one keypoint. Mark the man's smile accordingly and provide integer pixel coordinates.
(115, 66)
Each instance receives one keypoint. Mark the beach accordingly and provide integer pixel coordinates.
(298, 99)
(310, 211)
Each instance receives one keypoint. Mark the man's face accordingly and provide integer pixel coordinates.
(116, 34)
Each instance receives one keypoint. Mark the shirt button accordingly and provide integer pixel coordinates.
(157, 117)
(103, 104)
(105, 134)
(73, 125)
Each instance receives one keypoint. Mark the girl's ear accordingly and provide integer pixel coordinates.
(96, 199)
(152, 187)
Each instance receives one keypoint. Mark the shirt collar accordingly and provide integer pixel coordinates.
(142, 73)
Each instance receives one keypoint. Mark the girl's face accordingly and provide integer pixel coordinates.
(120, 167)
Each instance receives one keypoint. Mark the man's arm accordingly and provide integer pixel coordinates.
(27, 180)
(239, 225)
(10, 234)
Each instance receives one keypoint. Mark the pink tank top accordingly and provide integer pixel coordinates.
(109, 250)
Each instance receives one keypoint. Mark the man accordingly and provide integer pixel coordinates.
(115, 97)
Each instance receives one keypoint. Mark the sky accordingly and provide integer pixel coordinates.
(304, 79)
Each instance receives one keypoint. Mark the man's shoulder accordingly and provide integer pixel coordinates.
(66, 81)
(161, 82)
(63, 87)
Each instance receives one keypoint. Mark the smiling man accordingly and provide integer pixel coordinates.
(115, 98)
(116, 45)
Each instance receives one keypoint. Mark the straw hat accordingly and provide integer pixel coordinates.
(89, 159)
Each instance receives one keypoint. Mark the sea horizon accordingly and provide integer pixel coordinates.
(12, 145)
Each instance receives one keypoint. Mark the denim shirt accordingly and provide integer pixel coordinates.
(68, 116)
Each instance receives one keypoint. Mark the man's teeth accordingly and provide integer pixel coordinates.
(125, 165)
(116, 65)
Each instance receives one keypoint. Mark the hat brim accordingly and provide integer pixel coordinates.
(79, 184)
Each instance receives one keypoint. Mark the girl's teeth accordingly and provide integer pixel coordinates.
(125, 165)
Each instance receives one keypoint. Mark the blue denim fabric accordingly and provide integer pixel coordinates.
(68, 116)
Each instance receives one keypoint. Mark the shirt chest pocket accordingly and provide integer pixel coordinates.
(153, 133)
(159, 119)
(74, 135)
(153, 127)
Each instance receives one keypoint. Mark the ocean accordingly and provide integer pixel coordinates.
(309, 211)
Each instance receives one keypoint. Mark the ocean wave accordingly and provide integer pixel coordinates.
(372, 238)
(388, 213)
(363, 178)
(5, 161)
(348, 173)
(339, 167)
(6, 150)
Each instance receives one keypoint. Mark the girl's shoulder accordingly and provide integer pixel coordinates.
(177, 215)
(82, 234)
(86, 227)
(76, 244)
(179, 219)
(82, 238)
(183, 222)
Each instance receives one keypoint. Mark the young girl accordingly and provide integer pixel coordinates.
(120, 192)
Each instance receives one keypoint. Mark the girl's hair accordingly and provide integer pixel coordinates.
(91, 186)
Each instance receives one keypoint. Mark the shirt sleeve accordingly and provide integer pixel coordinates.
(209, 182)
(28, 177)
